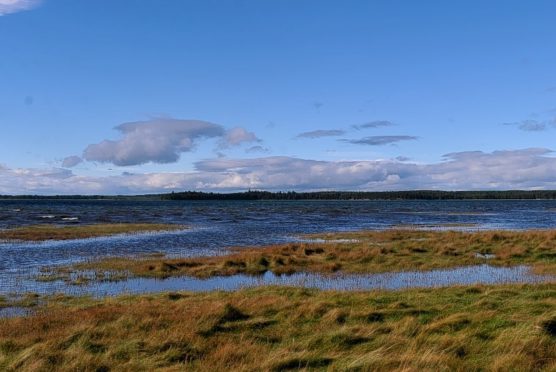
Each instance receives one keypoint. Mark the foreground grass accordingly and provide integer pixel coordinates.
(360, 252)
(461, 328)
(56, 232)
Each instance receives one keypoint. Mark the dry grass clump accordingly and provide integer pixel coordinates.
(359, 252)
(57, 232)
(277, 329)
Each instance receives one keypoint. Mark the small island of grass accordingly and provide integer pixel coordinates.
(39, 233)
(363, 252)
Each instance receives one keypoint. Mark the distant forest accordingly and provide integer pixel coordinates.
(363, 195)
(319, 195)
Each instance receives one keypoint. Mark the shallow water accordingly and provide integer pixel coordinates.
(480, 274)
(12, 312)
(216, 225)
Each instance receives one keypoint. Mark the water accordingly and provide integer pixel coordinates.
(480, 274)
(216, 225)
(13, 312)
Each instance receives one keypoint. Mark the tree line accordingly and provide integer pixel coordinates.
(363, 195)
(317, 195)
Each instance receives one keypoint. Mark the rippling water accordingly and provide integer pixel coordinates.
(216, 225)
(480, 274)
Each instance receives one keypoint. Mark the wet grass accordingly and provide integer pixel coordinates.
(276, 329)
(38, 233)
(356, 252)
(27, 300)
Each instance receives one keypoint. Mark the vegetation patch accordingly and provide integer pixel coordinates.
(355, 252)
(60, 232)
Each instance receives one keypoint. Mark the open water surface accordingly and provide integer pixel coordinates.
(216, 225)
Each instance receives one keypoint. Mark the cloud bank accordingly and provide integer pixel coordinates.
(14, 6)
(474, 170)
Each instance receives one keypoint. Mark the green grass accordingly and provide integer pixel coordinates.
(495, 328)
(56, 232)
(364, 252)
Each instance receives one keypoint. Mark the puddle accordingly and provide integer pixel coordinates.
(486, 256)
(480, 274)
(12, 312)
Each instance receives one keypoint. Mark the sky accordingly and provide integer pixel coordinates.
(149, 96)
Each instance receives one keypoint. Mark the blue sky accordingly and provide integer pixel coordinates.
(276, 94)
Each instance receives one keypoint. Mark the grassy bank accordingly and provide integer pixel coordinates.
(358, 252)
(460, 328)
(56, 232)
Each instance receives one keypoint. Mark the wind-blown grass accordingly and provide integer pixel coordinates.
(56, 232)
(460, 328)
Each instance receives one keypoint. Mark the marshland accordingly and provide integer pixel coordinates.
(319, 285)
(277, 185)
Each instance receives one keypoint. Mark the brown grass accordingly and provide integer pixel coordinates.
(56, 232)
(275, 329)
(370, 252)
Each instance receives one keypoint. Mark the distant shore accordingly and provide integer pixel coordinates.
(317, 195)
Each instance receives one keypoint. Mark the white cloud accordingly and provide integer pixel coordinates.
(13, 6)
(160, 140)
(515, 169)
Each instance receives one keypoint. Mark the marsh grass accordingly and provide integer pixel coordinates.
(460, 328)
(356, 252)
(56, 232)
(27, 300)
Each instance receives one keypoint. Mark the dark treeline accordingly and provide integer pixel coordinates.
(317, 195)
(364, 195)
(81, 197)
